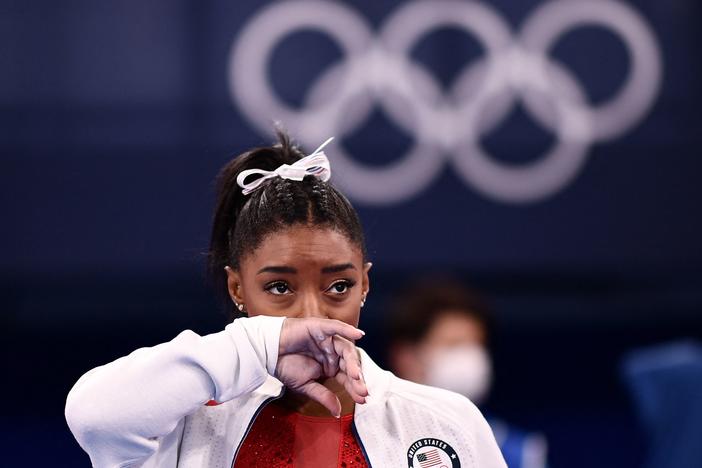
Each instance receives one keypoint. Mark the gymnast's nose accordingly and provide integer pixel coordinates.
(312, 305)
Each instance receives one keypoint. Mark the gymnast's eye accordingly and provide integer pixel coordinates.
(341, 287)
(278, 288)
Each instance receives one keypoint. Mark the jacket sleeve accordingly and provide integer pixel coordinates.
(119, 412)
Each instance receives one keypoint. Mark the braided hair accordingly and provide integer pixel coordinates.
(242, 221)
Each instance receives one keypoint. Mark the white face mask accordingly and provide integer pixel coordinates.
(465, 369)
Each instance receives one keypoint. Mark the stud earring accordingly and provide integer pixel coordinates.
(363, 300)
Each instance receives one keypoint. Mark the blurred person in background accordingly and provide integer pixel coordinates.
(439, 332)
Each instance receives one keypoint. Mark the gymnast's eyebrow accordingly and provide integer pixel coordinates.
(338, 268)
(277, 269)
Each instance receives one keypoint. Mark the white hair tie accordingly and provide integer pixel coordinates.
(315, 164)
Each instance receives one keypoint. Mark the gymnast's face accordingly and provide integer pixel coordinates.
(302, 271)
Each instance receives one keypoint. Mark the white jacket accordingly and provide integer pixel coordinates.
(148, 408)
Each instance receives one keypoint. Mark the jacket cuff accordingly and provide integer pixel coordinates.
(264, 334)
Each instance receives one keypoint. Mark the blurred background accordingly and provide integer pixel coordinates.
(547, 154)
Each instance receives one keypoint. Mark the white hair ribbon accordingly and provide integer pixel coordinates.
(315, 164)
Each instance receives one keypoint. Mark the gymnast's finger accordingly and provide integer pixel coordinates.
(321, 394)
(356, 389)
(329, 327)
(349, 355)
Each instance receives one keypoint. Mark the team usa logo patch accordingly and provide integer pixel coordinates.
(428, 453)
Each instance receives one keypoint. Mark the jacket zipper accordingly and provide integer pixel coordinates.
(354, 431)
(248, 428)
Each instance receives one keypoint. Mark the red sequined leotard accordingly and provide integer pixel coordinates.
(281, 438)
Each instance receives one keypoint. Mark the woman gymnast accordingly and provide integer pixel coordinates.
(283, 384)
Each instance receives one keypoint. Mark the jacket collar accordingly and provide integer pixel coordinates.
(377, 381)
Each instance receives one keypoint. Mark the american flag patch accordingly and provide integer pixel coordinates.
(429, 458)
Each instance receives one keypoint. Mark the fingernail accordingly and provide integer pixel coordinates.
(362, 332)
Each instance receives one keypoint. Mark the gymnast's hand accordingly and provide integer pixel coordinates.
(311, 348)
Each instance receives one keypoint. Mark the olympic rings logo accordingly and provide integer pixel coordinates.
(377, 70)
